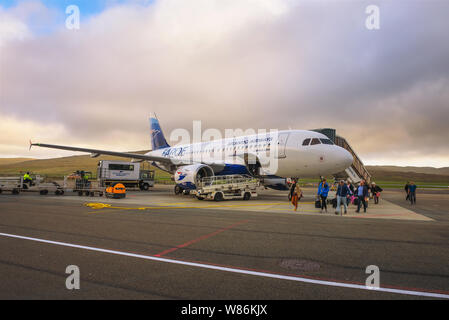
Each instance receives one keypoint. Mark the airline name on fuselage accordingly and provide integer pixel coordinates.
(181, 151)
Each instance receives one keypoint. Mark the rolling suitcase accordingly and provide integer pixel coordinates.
(317, 203)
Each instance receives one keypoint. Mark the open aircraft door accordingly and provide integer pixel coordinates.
(282, 142)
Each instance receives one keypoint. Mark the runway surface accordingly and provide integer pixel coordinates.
(174, 250)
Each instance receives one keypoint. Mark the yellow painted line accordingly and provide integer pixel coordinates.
(98, 206)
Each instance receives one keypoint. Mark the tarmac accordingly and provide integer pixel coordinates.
(155, 245)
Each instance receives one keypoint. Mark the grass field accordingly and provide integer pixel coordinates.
(59, 167)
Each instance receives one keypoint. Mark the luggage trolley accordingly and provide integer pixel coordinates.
(227, 187)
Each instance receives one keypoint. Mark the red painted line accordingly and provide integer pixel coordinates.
(199, 239)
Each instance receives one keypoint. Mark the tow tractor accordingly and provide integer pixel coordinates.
(38, 185)
(228, 187)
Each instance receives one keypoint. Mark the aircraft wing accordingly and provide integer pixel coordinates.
(100, 152)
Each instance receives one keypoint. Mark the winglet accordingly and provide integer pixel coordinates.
(31, 144)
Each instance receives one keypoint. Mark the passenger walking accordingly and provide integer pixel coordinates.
(376, 190)
(343, 193)
(323, 190)
(351, 193)
(292, 189)
(362, 194)
(407, 185)
(412, 192)
(297, 195)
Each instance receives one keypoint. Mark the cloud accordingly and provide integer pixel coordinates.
(11, 28)
(240, 63)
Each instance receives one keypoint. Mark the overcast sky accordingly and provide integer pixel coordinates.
(299, 64)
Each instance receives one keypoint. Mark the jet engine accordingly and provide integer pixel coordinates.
(187, 177)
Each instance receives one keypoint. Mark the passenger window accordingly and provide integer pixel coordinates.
(315, 141)
(306, 142)
(326, 141)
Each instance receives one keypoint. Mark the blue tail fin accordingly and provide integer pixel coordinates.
(157, 137)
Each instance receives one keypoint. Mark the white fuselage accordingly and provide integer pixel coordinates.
(282, 153)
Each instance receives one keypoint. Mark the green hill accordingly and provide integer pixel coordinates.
(59, 167)
(426, 170)
(13, 160)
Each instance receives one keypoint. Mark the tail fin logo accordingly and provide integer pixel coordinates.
(154, 132)
(157, 136)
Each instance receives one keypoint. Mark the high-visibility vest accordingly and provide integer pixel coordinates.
(26, 176)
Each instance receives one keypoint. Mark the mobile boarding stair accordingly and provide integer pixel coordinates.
(228, 187)
(357, 171)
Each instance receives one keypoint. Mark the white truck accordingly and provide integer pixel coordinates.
(130, 174)
(228, 187)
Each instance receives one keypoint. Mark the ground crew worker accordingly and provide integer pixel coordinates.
(85, 179)
(27, 178)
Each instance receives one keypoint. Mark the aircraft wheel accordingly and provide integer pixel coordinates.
(178, 189)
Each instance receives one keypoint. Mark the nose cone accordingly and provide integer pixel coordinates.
(346, 158)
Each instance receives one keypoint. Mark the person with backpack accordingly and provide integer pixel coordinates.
(323, 190)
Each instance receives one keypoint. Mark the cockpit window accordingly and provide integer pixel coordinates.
(326, 141)
(306, 142)
(315, 141)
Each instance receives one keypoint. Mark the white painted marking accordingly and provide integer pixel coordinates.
(233, 270)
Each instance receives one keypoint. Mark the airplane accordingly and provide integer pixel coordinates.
(272, 157)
